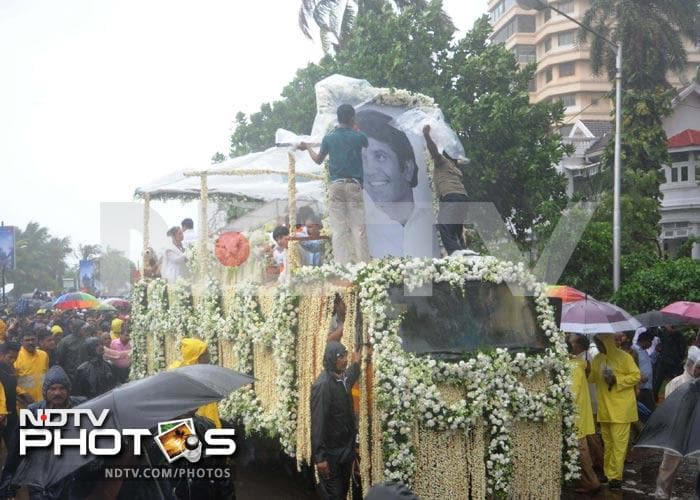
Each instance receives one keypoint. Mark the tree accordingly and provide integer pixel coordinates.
(335, 19)
(113, 272)
(40, 259)
(653, 287)
(510, 142)
(651, 34)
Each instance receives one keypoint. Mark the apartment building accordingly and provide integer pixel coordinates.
(563, 65)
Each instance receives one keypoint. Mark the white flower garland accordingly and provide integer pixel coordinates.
(244, 326)
(209, 318)
(138, 331)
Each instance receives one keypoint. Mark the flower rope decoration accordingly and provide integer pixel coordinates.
(139, 331)
(209, 318)
(158, 324)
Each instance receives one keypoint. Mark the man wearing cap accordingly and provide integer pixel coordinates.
(447, 179)
(56, 391)
(333, 430)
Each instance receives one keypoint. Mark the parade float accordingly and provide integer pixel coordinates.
(464, 386)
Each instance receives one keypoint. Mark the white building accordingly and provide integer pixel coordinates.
(680, 207)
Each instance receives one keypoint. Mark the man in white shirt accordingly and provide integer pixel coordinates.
(174, 263)
(189, 237)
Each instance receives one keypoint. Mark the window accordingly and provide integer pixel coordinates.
(679, 157)
(526, 24)
(568, 100)
(452, 320)
(548, 75)
(674, 174)
(684, 174)
(567, 38)
(532, 87)
(548, 44)
(566, 7)
(525, 53)
(567, 69)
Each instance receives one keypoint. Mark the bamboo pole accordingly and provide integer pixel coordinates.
(203, 227)
(146, 230)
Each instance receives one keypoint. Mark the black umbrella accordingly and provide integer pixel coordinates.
(140, 404)
(658, 318)
(675, 424)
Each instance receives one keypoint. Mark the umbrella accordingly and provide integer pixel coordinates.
(675, 423)
(565, 293)
(105, 307)
(591, 316)
(657, 318)
(76, 300)
(121, 304)
(688, 310)
(141, 404)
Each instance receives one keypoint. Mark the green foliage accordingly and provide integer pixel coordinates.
(590, 266)
(40, 260)
(510, 142)
(651, 35)
(653, 287)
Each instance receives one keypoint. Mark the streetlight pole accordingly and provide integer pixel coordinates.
(617, 168)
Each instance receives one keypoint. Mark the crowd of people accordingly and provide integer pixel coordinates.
(55, 359)
(616, 384)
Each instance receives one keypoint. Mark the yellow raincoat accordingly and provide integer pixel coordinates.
(3, 401)
(582, 398)
(31, 367)
(191, 350)
(116, 328)
(3, 331)
(617, 405)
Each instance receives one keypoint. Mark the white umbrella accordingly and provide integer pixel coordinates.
(591, 316)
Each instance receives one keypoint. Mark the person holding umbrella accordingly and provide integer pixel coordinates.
(195, 351)
(615, 376)
(670, 463)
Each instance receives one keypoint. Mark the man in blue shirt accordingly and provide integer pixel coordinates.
(346, 207)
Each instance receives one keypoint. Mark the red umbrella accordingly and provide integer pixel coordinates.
(684, 309)
(567, 294)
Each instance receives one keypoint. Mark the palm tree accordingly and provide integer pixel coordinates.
(651, 32)
(335, 18)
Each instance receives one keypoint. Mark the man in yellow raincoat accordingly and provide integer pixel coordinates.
(585, 426)
(615, 374)
(31, 367)
(195, 351)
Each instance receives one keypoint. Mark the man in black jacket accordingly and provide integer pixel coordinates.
(8, 379)
(333, 430)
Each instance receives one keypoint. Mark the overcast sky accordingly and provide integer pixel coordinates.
(98, 97)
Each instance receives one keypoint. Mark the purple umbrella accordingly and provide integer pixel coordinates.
(591, 316)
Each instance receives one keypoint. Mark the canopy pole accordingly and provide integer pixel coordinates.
(203, 227)
(146, 231)
(292, 191)
(293, 256)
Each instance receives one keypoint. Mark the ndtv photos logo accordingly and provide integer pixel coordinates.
(61, 429)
